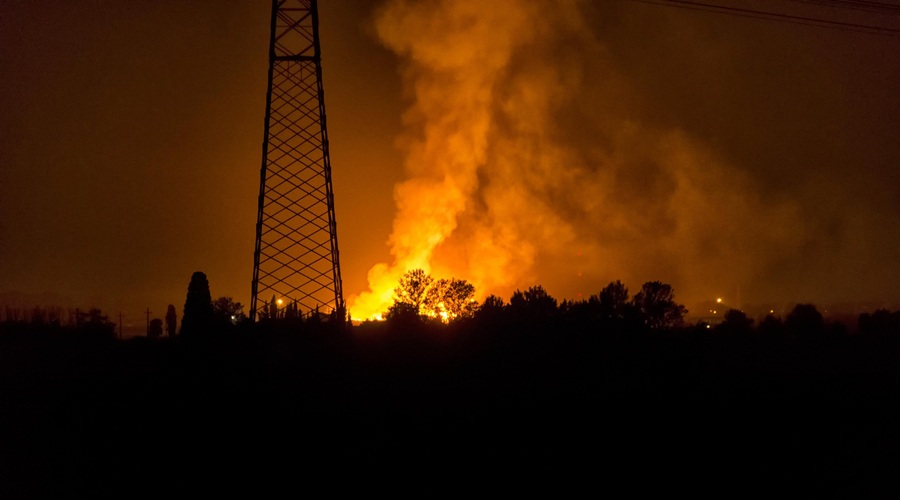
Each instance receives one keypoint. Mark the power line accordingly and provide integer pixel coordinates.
(785, 18)
(859, 6)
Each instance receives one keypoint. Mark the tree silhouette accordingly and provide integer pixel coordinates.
(156, 328)
(94, 322)
(491, 309)
(804, 320)
(735, 322)
(533, 304)
(273, 308)
(449, 299)
(770, 326)
(613, 302)
(95, 316)
(443, 299)
(402, 314)
(882, 323)
(198, 311)
(413, 289)
(227, 312)
(656, 303)
(171, 321)
(291, 312)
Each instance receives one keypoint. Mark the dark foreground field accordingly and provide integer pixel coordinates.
(431, 412)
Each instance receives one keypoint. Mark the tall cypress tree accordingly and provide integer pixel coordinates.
(198, 311)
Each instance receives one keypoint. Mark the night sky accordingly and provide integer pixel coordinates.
(586, 141)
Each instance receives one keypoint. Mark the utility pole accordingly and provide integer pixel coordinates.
(296, 254)
(148, 321)
(120, 325)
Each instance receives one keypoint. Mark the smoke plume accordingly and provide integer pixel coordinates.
(526, 165)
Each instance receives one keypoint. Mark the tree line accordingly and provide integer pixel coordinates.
(421, 300)
(420, 297)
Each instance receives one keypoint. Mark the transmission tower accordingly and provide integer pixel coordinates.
(296, 255)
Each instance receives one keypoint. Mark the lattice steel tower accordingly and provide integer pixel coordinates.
(296, 256)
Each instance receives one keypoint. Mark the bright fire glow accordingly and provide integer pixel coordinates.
(443, 163)
(493, 196)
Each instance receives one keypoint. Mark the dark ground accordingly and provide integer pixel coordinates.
(529, 410)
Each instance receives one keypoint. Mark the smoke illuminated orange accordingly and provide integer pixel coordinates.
(500, 189)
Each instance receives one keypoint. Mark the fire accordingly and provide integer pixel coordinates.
(450, 122)
(373, 303)
(426, 216)
(499, 187)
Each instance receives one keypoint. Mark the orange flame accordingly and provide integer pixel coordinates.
(451, 117)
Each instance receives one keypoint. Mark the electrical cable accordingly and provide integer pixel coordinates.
(788, 18)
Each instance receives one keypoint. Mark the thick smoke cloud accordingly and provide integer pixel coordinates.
(528, 163)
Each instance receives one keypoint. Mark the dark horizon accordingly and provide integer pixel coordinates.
(581, 400)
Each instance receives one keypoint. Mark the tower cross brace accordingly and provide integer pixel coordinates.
(296, 258)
